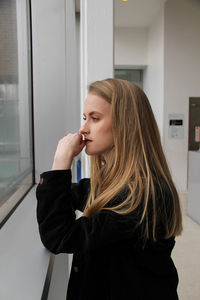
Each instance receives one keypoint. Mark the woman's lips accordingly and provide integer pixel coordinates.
(87, 140)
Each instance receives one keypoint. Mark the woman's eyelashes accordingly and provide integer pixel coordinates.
(93, 118)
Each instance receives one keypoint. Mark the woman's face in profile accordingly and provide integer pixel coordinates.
(97, 127)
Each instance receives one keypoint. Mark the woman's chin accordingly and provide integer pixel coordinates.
(91, 152)
(105, 152)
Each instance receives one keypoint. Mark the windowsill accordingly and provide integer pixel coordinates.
(11, 202)
(23, 259)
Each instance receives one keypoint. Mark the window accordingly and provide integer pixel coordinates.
(132, 75)
(16, 138)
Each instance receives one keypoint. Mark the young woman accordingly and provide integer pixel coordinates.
(131, 213)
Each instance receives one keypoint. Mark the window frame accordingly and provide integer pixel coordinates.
(13, 200)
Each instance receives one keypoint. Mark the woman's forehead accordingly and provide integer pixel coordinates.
(96, 103)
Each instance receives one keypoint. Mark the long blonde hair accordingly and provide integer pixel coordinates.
(136, 162)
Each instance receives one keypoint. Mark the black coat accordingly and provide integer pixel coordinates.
(109, 262)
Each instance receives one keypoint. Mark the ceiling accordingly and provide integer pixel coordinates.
(134, 13)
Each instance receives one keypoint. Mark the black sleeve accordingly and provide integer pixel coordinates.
(59, 230)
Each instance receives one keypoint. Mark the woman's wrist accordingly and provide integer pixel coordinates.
(62, 165)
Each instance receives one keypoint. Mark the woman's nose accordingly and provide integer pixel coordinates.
(84, 129)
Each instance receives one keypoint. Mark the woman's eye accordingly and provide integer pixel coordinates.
(93, 118)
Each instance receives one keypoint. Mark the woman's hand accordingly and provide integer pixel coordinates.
(68, 147)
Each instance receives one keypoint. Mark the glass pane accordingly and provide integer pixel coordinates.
(16, 158)
(131, 75)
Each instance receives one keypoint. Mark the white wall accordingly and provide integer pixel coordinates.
(56, 95)
(181, 75)
(144, 47)
(72, 119)
(131, 46)
(56, 111)
(96, 49)
(154, 72)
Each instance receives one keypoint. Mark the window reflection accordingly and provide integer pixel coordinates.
(16, 157)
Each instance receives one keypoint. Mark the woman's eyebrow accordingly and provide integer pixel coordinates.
(94, 112)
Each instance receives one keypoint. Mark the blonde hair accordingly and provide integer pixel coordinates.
(136, 163)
